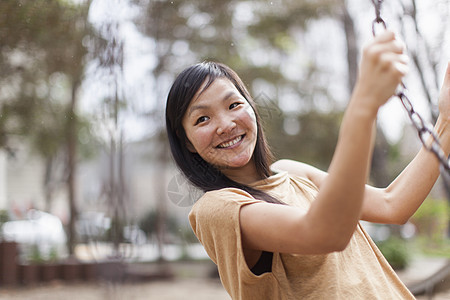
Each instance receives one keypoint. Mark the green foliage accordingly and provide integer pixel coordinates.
(49, 30)
(149, 223)
(53, 256)
(187, 235)
(314, 143)
(35, 256)
(4, 216)
(440, 248)
(279, 17)
(211, 30)
(237, 33)
(396, 252)
(41, 66)
(42, 61)
(115, 232)
(431, 220)
(387, 161)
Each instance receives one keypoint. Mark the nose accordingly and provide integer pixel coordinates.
(226, 125)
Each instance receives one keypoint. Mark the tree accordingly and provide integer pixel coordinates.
(110, 60)
(42, 67)
(426, 55)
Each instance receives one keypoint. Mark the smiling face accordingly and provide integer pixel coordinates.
(221, 127)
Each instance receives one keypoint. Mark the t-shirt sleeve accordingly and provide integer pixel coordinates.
(215, 221)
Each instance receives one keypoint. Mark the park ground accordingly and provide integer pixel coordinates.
(198, 289)
(192, 281)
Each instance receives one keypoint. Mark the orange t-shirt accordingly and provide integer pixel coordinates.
(358, 272)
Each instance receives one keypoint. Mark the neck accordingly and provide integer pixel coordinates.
(244, 175)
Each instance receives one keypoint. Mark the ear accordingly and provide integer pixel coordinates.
(190, 147)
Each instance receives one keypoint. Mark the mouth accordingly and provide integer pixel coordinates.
(231, 143)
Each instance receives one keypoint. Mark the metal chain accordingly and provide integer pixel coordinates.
(378, 19)
(424, 129)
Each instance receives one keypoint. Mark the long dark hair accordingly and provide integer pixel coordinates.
(199, 172)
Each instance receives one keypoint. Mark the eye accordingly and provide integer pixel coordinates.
(201, 120)
(235, 104)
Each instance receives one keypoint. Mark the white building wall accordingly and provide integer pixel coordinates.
(24, 181)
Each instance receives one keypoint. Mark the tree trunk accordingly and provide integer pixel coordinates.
(3, 177)
(48, 189)
(160, 185)
(71, 169)
(352, 48)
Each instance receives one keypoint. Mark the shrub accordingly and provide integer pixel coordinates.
(395, 251)
(431, 220)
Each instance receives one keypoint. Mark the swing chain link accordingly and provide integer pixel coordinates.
(424, 130)
(378, 19)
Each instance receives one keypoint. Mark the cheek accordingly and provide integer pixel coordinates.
(251, 113)
(200, 139)
(250, 118)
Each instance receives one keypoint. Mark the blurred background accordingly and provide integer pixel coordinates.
(86, 176)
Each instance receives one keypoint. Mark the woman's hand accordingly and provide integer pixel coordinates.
(382, 68)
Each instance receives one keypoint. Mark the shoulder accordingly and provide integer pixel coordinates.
(215, 216)
(292, 167)
(223, 197)
(220, 204)
(301, 170)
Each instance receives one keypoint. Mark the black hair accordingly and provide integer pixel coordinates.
(199, 172)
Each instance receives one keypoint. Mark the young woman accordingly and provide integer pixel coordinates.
(289, 230)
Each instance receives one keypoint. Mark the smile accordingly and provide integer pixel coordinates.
(231, 143)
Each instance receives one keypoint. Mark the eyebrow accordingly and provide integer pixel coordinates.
(202, 106)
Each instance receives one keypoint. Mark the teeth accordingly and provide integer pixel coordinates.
(230, 143)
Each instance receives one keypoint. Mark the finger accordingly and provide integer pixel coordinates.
(395, 46)
(398, 64)
(375, 52)
(402, 68)
(385, 36)
(401, 45)
(403, 58)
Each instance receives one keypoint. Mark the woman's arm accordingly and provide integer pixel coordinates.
(331, 220)
(398, 202)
